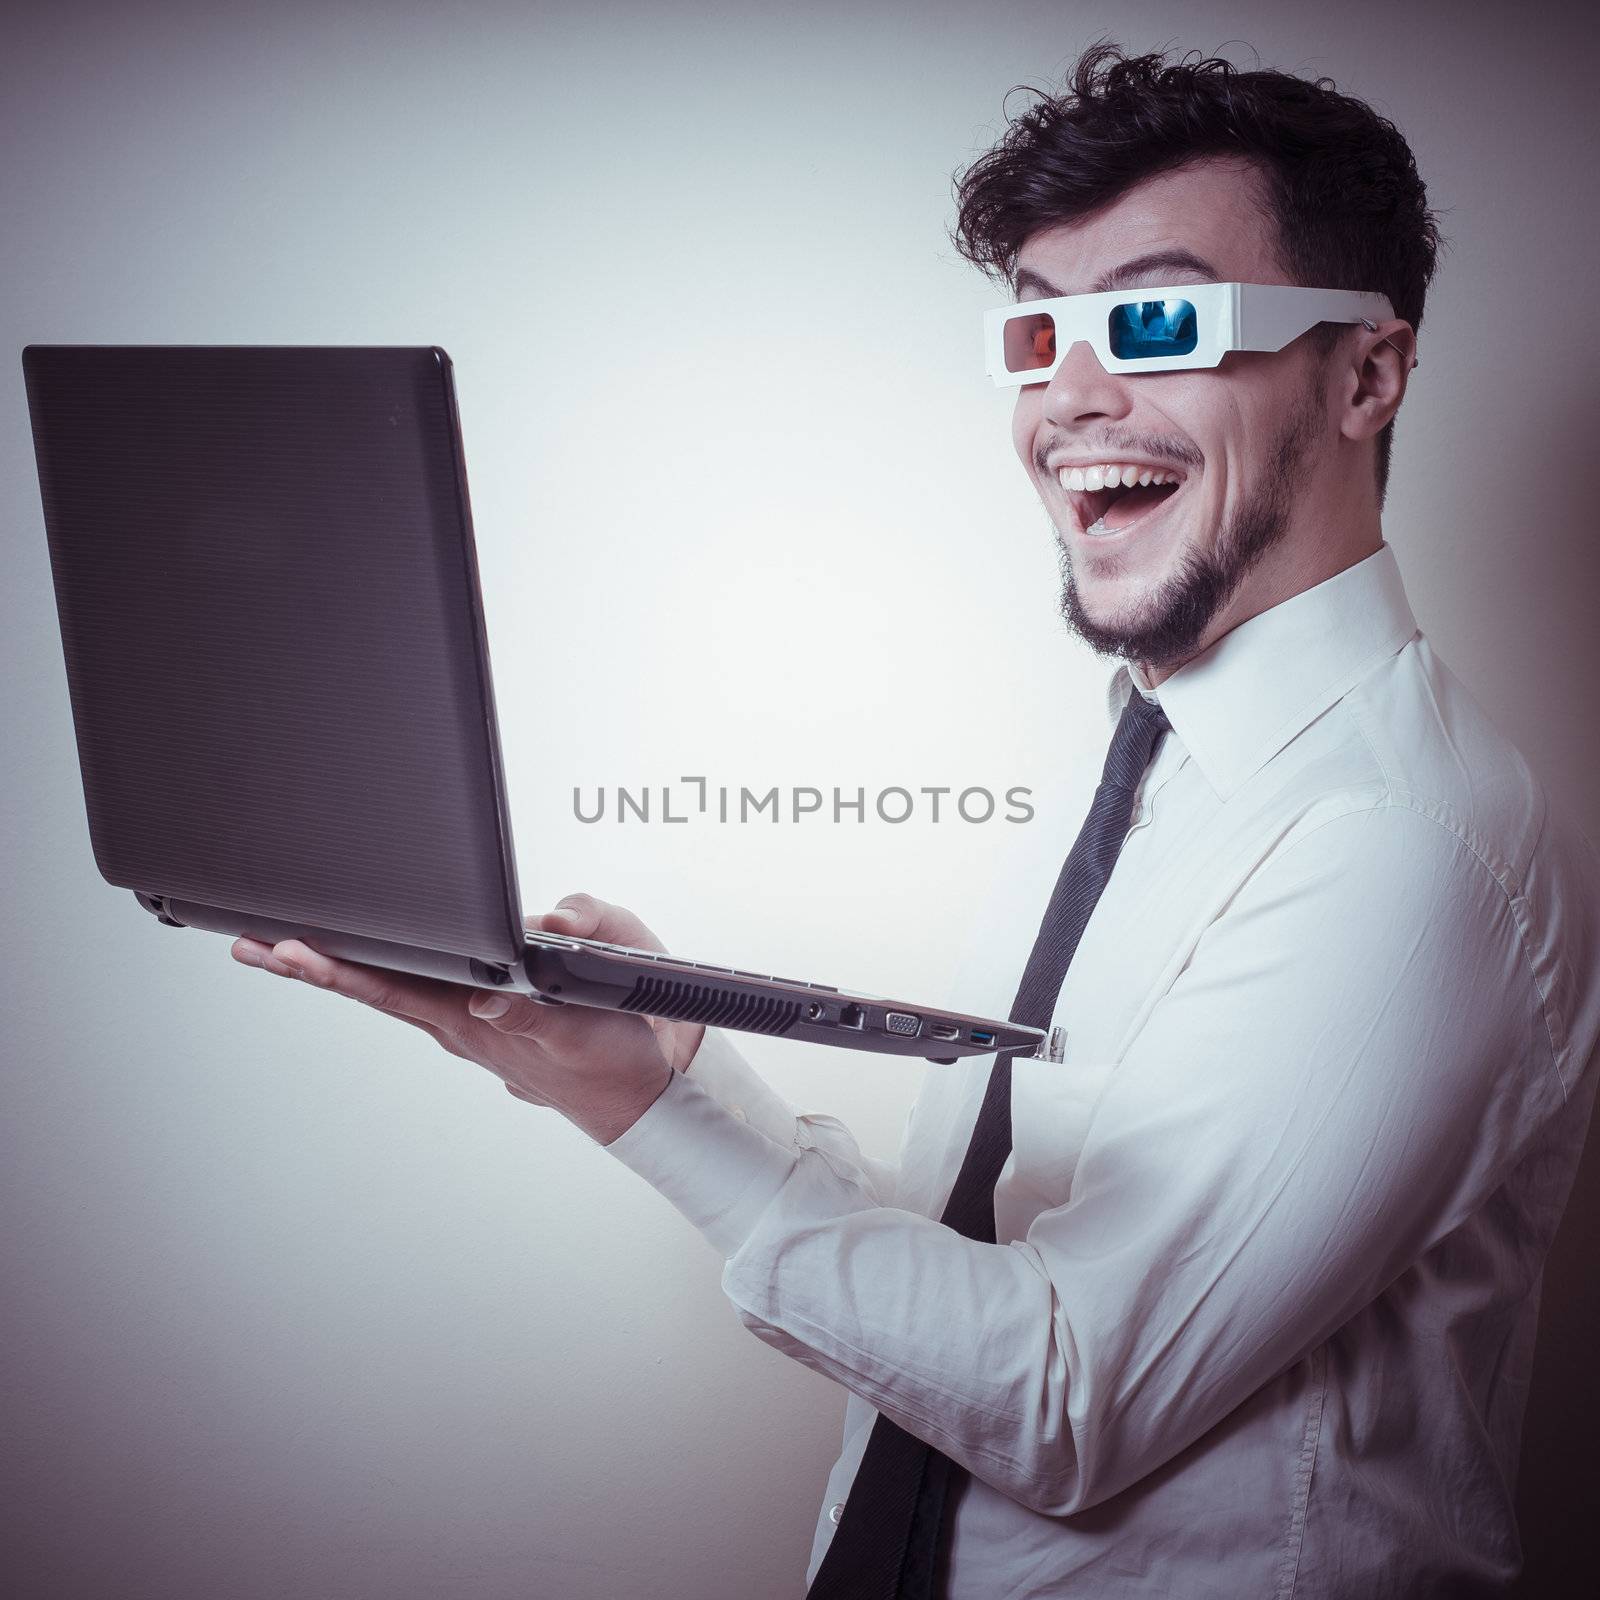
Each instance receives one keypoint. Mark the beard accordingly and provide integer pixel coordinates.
(1170, 624)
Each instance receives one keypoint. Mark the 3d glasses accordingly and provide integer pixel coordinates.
(1163, 330)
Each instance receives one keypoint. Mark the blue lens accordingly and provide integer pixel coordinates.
(1141, 329)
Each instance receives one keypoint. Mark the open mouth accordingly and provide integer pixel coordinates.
(1112, 499)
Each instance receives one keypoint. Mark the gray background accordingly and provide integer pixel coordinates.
(295, 1304)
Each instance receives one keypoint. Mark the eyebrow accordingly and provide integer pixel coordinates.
(1175, 260)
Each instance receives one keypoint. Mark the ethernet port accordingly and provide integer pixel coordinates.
(851, 1016)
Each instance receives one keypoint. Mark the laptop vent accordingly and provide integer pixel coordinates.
(696, 1002)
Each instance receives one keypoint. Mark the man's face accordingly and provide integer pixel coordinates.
(1244, 438)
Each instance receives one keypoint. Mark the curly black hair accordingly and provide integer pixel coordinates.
(1341, 183)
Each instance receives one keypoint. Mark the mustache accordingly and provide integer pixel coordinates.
(1170, 452)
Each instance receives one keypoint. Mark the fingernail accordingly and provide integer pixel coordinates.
(489, 1006)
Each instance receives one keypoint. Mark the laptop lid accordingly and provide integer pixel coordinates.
(267, 588)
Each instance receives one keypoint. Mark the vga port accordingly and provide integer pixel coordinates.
(902, 1022)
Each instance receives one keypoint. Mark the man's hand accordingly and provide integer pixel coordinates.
(600, 1069)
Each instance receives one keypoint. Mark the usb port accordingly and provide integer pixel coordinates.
(943, 1030)
(981, 1036)
(902, 1022)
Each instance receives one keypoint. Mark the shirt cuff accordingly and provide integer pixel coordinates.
(721, 1069)
(718, 1170)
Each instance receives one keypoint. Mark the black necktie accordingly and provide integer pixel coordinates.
(888, 1537)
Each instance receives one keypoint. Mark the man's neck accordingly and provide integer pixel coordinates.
(1271, 583)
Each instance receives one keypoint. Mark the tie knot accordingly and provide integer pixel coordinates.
(1138, 732)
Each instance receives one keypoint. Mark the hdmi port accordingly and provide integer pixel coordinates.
(943, 1030)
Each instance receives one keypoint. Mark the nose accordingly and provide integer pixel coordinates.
(1082, 389)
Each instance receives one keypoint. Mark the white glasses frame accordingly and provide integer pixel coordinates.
(1228, 316)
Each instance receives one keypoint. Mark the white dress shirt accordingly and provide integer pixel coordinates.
(1260, 1316)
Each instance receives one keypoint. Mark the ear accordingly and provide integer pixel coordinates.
(1380, 365)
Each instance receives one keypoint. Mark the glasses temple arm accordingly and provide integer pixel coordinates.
(1372, 327)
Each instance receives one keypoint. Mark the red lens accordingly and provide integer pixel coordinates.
(1030, 341)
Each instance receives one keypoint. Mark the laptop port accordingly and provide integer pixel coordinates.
(851, 1016)
(943, 1030)
(902, 1022)
(982, 1036)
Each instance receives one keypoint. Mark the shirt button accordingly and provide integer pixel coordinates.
(835, 1512)
(738, 1111)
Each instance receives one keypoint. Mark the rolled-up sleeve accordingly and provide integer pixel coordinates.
(1343, 1071)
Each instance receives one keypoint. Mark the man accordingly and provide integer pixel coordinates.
(1237, 1296)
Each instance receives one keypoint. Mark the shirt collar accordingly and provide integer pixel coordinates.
(1239, 702)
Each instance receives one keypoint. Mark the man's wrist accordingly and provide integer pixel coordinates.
(694, 1055)
(607, 1122)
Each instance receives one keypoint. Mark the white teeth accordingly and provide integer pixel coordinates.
(1110, 475)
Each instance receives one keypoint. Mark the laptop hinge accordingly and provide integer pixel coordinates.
(160, 907)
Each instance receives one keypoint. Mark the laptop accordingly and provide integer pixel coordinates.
(275, 649)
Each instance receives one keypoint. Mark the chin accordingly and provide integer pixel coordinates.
(1132, 614)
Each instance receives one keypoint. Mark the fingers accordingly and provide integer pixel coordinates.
(589, 1064)
(586, 917)
(252, 953)
(579, 914)
(437, 1008)
(425, 1001)
(509, 1013)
